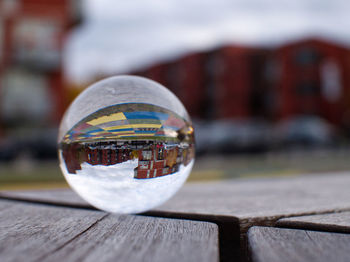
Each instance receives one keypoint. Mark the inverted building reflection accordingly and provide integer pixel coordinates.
(154, 158)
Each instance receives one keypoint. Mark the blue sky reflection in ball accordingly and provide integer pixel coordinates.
(126, 144)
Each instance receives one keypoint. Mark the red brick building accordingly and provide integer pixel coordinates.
(314, 79)
(214, 84)
(217, 84)
(307, 77)
(232, 82)
(32, 35)
(185, 77)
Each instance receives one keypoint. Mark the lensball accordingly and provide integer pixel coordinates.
(126, 144)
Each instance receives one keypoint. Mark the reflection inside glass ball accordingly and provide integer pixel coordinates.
(127, 157)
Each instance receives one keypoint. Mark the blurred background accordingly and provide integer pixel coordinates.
(267, 83)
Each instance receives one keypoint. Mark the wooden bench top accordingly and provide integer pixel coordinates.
(309, 202)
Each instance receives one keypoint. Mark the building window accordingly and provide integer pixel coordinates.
(146, 154)
(37, 41)
(331, 81)
(25, 97)
(307, 89)
(307, 56)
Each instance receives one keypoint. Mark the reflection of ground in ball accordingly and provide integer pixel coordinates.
(113, 188)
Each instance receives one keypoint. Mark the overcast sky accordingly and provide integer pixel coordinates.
(118, 35)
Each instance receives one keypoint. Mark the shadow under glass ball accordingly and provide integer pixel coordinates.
(126, 144)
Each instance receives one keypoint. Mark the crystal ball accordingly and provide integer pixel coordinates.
(126, 144)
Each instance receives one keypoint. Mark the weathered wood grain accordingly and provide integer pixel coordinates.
(33, 232)
(29, 231)
(269, 244)
(5, 205)
(333, 222)
(235, 205)
(137, 238)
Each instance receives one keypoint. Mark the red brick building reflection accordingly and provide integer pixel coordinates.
(154, 160)
(158, 160)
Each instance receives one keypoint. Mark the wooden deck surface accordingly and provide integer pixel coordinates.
(32, 232)
(191, 222)
(269, 244)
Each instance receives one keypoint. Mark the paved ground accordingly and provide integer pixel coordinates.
(270, 164)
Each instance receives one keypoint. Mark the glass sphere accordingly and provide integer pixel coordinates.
(126, 144)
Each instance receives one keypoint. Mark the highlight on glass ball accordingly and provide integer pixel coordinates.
(126, 144)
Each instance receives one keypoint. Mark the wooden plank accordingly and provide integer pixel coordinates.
(333, 222)
(137, 238)
(32, 232)
(269, 244)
